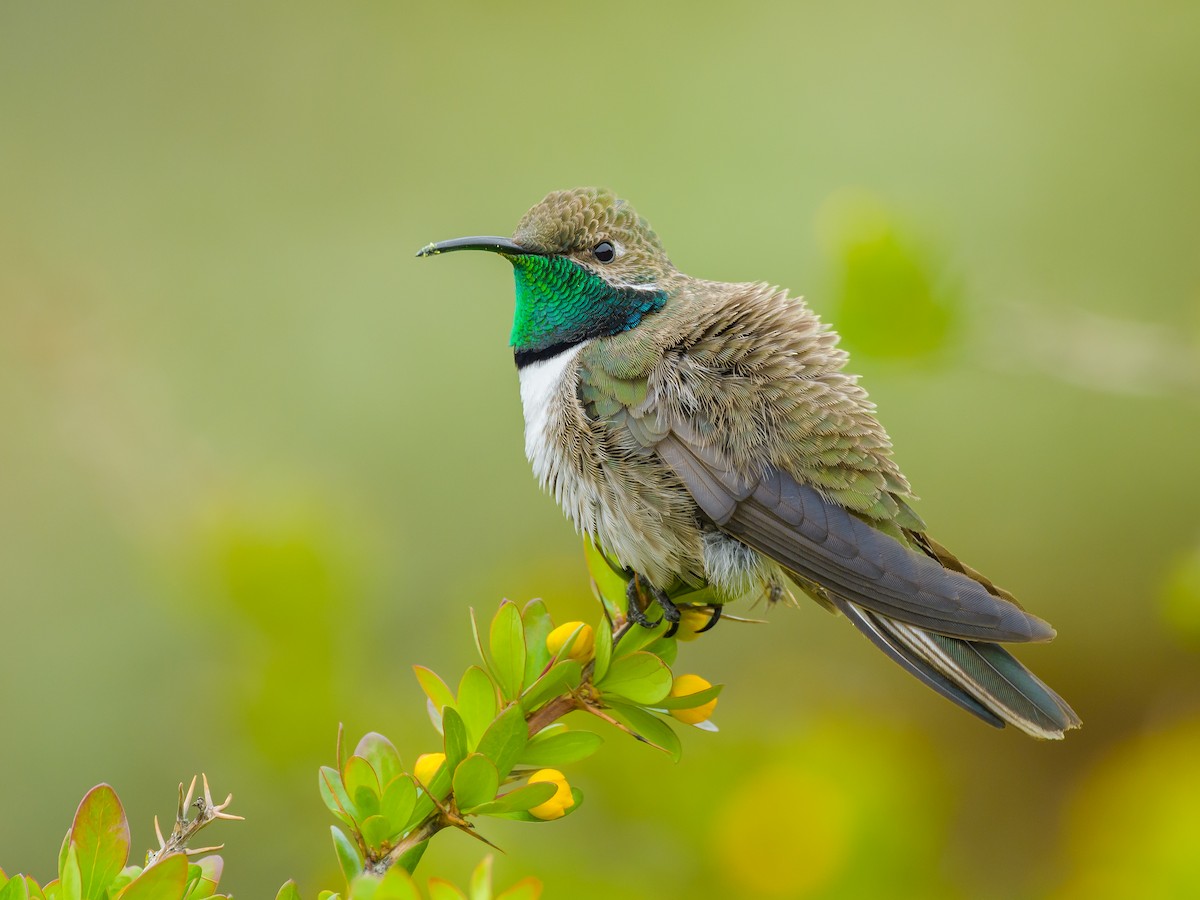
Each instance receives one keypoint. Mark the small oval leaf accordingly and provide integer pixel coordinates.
(649, 728)
(640, 677)
(476, 703)
(604, 651)
(560, 748)
(475, 782)
(348, 857)
(507, 641)
(362, 784)
(435, 689)
(399, 798)
(333, 793)
(690, 701)
(563, 676)
(505, 739)
(538, 625)
(376, 831)
(519, 799)
(101, 838)
(455, 737)
(381, 754)
(397, 884)
(165, 880)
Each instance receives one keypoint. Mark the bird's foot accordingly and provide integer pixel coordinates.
(635, 609)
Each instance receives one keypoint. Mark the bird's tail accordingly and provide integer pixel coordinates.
(981, 677)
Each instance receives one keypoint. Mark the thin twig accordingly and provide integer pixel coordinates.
(185, 829)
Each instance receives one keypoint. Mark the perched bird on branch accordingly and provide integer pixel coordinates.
(705, 433)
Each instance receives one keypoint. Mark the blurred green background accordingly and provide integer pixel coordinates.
(256, 460)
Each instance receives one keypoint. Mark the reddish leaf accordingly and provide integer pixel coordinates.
(165, 880)
(101, 838)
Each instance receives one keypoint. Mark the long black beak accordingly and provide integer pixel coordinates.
(491, 244)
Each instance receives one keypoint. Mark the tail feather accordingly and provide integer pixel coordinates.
(983, 678)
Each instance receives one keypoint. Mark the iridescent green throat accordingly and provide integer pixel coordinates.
(560, 304)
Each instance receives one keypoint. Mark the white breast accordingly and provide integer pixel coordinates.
(542, 390)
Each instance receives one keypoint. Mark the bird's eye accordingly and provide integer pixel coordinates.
(604, 252)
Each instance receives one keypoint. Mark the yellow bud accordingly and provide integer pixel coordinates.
(584, 646)
(692, 684)
(692, 621)
(556, 807)
(427, 766)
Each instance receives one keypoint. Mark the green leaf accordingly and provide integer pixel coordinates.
(127, 875)
(455, 733)
(538, 626)
(476, 703)
(666, 649)
(505, 740)
(397, 884)
(288, 892)
(560, 748)
(483, 654)
(522, 816)
(440, 889)
(690, 701)
(563, 676)
(208, 871)
(381, 754)
(649, 728)
(604, 651)
(399, 798)
(518, 800)
(526, 889)
(364, 887)
(193, 880)
(101, 838)
(507, 639)
(376, 831)
(435, 689)
(62, 852)
(409, 858)
(362, 785)
(348, 855)
(481, 880)
(638, 638)
(609, 581)
(333, 793)
(71, 877)
(164, 880)
(15, 889)
(640, 677)
(475, 782)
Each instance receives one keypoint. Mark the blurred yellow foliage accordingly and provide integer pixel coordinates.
(1133, 824)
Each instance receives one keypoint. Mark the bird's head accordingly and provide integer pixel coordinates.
(586, 266)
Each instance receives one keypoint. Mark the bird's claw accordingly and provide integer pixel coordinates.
(635, 613)
(712, 622)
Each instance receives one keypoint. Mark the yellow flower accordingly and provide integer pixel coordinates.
(556, 807)
(581, 650)
(427, 766)
(692, 684)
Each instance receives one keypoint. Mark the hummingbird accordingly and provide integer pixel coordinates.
(706, 434)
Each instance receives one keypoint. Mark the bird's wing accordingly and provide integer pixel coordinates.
(821, 541)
